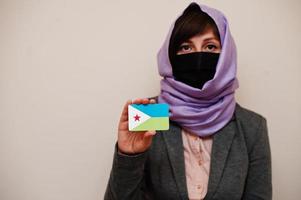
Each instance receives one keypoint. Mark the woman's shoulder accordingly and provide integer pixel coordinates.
(251, 124)
(248, 116)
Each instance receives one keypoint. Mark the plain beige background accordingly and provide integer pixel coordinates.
(67, 67)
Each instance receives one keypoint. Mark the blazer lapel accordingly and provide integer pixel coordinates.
(222, 141)
(174, 143)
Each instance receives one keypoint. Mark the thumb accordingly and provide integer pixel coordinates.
(149, 134)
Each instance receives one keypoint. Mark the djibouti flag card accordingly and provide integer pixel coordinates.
(146, 117)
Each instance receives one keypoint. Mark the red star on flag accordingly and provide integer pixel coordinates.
(137, 117)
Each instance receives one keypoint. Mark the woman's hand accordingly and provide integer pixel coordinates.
(133, 142)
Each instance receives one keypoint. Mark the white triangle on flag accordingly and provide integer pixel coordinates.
(133, 112)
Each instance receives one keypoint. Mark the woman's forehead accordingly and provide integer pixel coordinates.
(204, 36)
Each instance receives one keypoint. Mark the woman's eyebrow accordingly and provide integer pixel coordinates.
(188, 41)
(211, 38)
(205, 40)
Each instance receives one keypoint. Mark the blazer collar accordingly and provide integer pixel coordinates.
(222, 141)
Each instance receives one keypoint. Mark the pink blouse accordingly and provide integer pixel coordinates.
(197, 153)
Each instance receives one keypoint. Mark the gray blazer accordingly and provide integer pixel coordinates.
(240, 165)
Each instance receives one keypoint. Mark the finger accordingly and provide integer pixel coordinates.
(141, 101)
(152, 101)
(145, 101)
(124, 125)
(137, 132)
(149, 134)
(124, 115)
(137, 101)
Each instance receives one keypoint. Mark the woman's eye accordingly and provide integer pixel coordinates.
(211, 47)
(184, 48)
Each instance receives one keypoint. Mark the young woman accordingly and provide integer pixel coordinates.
(215, 148)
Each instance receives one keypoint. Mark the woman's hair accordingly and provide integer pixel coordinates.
(192, 22)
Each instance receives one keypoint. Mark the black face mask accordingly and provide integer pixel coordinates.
(196, 68)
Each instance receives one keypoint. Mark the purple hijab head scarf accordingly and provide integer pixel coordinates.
(202, 111)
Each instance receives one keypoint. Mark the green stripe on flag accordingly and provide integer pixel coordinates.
(154, 123)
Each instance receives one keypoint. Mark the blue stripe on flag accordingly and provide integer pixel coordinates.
(153, 110)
